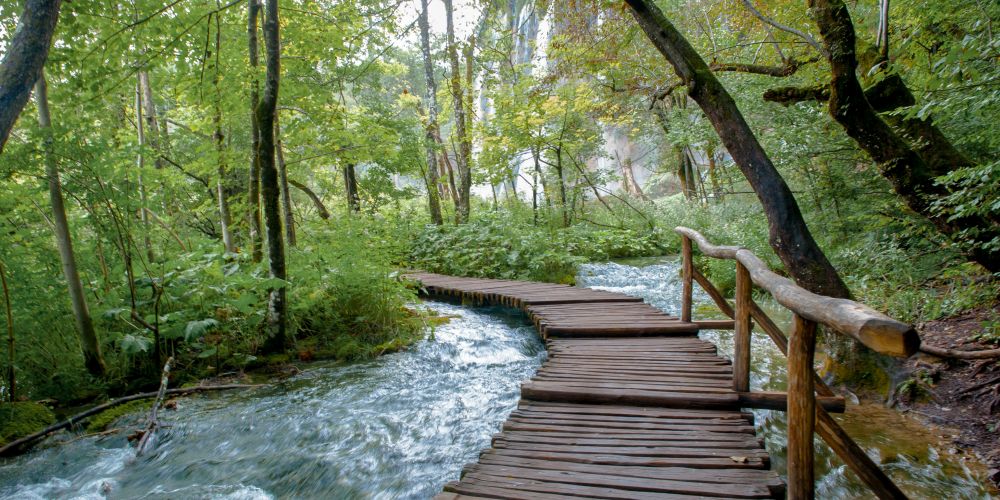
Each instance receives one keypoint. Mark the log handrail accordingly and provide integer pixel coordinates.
(868, 326)
(806, 412)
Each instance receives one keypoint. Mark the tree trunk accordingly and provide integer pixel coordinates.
(24, 59)
(351, 188)
(11, 379)
(464, 149)
(433, 140)
(140, 129)
(225, 217)
(789, 236)
(911, 173)
(85, 326)
(149, 113)
(253, 195)
(318, 203)
(277, 307)
(560, 177)
(286, 195)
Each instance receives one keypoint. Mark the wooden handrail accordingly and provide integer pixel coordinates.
(807, 414)
(870, 327)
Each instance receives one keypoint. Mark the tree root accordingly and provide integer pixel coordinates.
(952, 353)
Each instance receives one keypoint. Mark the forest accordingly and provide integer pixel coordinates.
(240, 189)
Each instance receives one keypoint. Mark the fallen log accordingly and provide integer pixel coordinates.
(25, 443)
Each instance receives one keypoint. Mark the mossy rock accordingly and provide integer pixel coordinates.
(103, 420)
(22, 418)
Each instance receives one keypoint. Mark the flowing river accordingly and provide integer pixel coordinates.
(402, 425)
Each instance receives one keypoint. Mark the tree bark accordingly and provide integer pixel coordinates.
(225, 217)
(351, 188)
(253, 195)
(85, 326)
(432, 139)
(277, 307)
(286, 195)
(24, 59)
(463, 155)
(789, 236)
(911, 174)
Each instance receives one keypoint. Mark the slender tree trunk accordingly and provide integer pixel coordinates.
(911, 171)
(225, 217)
(433, 141)
(882, 37)
(562, 187)
(286, 195)
(140, 161)
(253, 195)
(351, 188)
(535, 175)
(789, 236)
(149, 113)
(85, 326)
(277, 307)
(318, 203)
(11, 379)
(464, 150)
(24, 59)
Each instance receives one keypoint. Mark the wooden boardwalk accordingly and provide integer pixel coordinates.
(630, 404)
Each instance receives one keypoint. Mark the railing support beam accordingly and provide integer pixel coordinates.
(801, 409)
(686, 266)
(741, 352)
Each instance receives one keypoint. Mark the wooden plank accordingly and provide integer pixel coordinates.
(725, 463)
(648, 484)
(555, 392)
(478, 479)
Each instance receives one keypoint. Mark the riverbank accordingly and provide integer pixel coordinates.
(960, 394)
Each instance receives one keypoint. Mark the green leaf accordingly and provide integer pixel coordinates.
(197, 329)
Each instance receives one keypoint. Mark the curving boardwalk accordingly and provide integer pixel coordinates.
(629, 405)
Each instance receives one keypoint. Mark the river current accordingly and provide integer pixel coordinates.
(404, 424)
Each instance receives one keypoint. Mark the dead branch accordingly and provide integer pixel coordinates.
(153, 423)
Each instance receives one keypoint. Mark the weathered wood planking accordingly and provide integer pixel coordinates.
(630, 404)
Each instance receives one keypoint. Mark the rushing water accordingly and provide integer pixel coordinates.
(396, 427)
(404, 424)
(913, 454)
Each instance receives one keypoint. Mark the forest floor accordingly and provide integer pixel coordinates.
(961, 394)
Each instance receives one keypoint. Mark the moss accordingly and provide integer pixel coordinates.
(103, 420)
(20, 419)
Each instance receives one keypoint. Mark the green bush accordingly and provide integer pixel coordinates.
(498, 246)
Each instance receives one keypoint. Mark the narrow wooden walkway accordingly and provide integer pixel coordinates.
(630, 405)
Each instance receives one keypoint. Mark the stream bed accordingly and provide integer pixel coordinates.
(402, 425)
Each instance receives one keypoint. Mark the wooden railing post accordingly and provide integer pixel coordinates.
(686, 266)
(741, 354)
(801, 409)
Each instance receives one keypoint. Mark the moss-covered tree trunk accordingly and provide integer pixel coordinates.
(789, 236)
(912, 171)
(277, 339)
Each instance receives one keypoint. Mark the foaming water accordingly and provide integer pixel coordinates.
(910, 452)
(396, 427)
